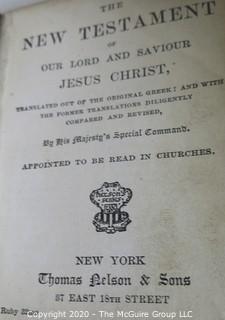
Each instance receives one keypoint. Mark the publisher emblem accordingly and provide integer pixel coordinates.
(110, 198)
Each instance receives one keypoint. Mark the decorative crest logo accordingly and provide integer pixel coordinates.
(110, 198)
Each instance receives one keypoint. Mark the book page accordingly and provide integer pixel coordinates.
(112, 161)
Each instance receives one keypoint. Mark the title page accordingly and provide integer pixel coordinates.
(112, 161)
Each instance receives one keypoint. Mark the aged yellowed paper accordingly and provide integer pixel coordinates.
(112, 161)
